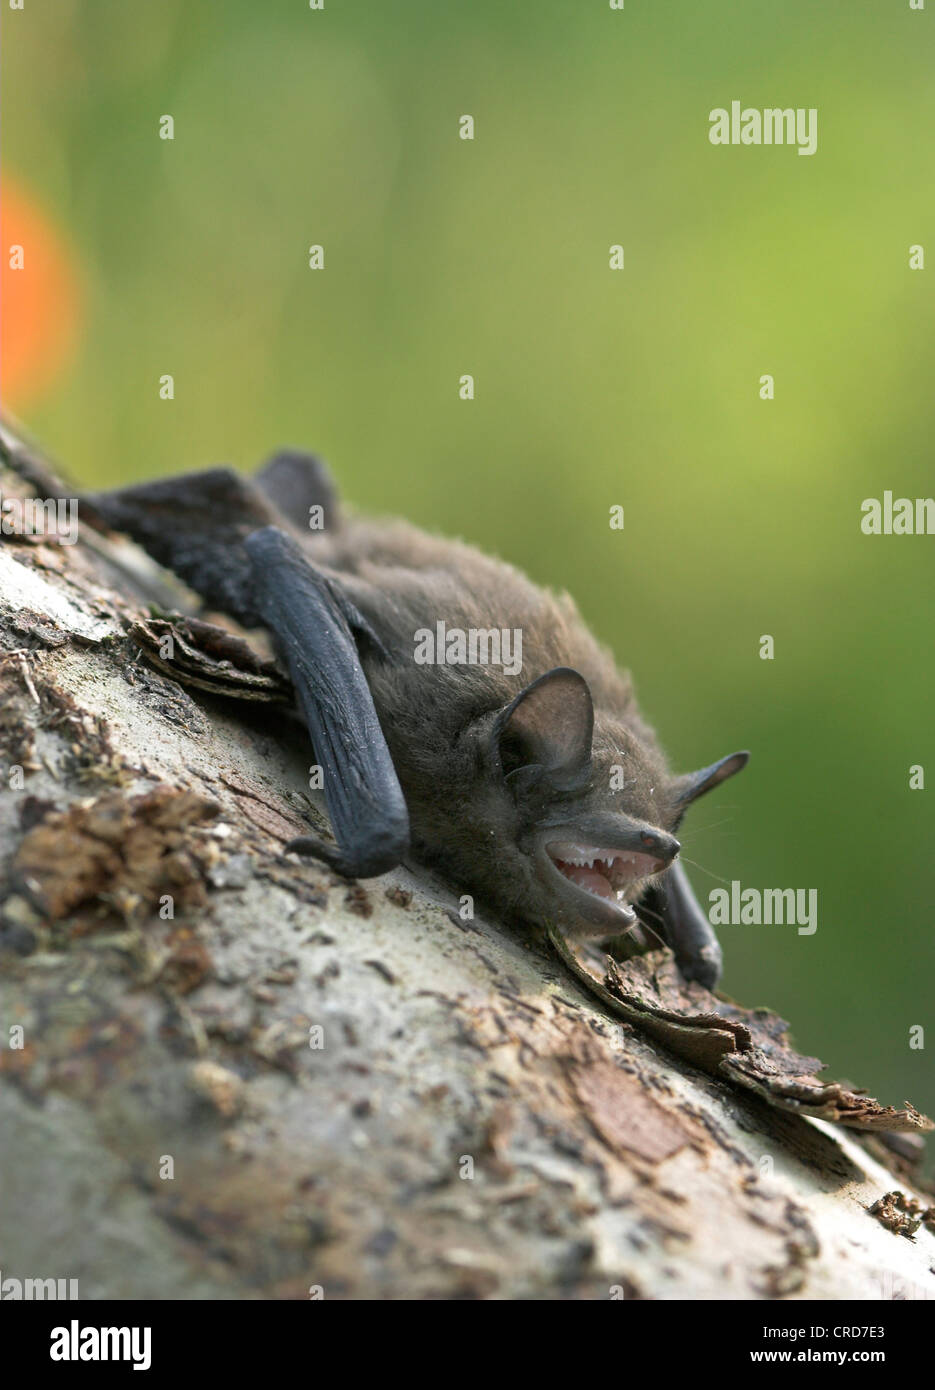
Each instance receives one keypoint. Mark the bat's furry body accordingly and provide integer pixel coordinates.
(509, 785)
(429, 712)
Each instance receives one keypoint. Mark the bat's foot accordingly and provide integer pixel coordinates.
(688, 933)
(704, 966)
(366, 865)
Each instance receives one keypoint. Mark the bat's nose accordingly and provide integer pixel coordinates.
(663, 846)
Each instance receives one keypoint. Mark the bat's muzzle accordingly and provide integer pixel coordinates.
(597, 870)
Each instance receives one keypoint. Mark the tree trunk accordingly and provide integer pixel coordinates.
(226, 1073)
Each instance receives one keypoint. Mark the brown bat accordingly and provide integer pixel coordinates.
(540, 790)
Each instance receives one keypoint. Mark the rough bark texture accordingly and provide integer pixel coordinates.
(471, 1121)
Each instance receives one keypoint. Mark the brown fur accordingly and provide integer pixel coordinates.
(497, 780)
(436, 718)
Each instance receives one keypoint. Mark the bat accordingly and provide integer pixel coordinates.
(534, 785)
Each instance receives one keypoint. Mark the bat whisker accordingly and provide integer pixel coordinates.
(652, 930)
(710, 872)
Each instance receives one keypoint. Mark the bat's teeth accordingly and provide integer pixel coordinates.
(579, 854)
(613, 865)
(582, 856)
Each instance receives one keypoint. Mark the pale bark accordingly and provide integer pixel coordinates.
(475, 1124)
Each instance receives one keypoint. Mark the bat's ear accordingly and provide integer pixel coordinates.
(549, 725)
(695, 784)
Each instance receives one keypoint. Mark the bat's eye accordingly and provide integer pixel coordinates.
(548, 784)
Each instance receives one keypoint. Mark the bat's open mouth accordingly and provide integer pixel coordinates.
(607, 877)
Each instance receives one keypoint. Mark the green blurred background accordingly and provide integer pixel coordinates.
(593, 387)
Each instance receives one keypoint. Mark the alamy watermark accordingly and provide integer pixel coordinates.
(754, 907)
(77, 1343)
(897, 516)
(32, 1290)
(55, 517)
(473, 646)
(773, 125)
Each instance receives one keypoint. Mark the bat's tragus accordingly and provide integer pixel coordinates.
(544, 794)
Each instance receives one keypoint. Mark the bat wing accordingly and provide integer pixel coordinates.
(214, 530)
(315, 623)
(195, 525)
(687, 930)
(296, 482)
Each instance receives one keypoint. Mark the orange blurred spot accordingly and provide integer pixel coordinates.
(38, 304)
